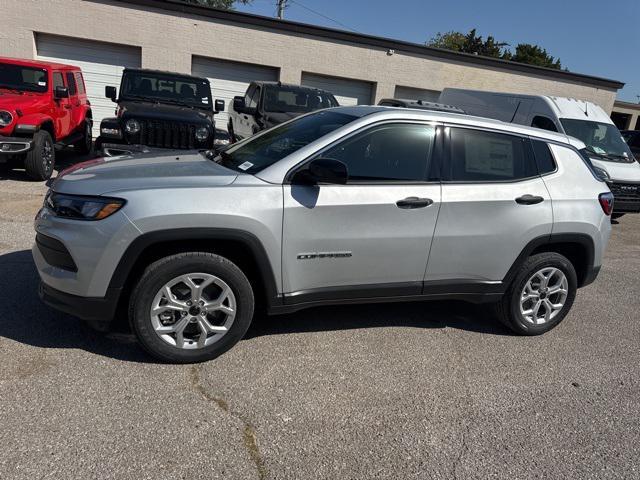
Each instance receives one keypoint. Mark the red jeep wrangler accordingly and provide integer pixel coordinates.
(42, 105)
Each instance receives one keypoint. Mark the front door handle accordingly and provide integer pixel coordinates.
(529, 200)
(414, 202)
(67, 107)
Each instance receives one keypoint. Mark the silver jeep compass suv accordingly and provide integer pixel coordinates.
(346, 205)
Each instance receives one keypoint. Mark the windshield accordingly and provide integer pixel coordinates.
(602, 139)
(17, 77)
(167, 88)
(258, 153)
(297, 100)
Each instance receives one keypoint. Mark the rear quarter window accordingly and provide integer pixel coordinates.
(544, 158)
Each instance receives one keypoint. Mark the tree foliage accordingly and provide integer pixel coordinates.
(222, 4)
(476, 45)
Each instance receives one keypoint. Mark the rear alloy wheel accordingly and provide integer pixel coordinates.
(191, 307)
(40, 160)
(540, 296)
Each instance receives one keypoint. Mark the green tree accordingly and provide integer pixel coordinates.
(533, 55)
(222, 4)
(469, 43)
(474, 44)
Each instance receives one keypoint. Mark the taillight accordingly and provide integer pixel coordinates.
(606, 202)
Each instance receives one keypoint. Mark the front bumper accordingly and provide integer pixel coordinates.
(14, 146)
(98, 311)
(626, 196)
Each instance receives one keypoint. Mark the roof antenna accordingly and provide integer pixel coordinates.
(586, 108)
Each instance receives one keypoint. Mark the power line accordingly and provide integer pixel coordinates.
(322, 15)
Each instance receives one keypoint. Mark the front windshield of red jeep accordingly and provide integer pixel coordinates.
(22, 79)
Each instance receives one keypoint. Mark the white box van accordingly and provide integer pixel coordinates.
(583, 120)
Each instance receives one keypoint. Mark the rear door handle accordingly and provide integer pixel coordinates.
(529, 199)
(414, 202)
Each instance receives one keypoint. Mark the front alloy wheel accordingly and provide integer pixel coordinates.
(191, 307)
(193, 310)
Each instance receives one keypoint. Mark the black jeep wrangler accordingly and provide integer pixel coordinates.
(159, 109)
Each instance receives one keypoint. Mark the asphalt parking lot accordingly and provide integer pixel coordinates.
(399, 391)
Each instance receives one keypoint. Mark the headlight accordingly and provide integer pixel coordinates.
(5, 118)
(132, 126)
(114, 132)
(82, 208)
(602, 173)
(202, 133)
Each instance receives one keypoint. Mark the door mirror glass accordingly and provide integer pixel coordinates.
(218, 105)
(110, 92)
(61, 92)
(322, 170)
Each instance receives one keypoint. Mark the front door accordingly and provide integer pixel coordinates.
(493, 204)
(370, 237)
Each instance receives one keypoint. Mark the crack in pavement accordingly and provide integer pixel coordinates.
(250, 439)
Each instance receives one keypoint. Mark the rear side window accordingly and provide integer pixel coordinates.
(395, 152)
(71, 84)
(479, 156)
(544, 159)
(80, 83)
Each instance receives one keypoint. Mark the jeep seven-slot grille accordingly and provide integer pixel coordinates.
(625, 191)
(155, 133)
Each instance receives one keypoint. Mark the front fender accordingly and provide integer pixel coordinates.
(31, 123)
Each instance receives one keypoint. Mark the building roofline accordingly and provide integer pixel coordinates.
(623, 104)
(370, 40)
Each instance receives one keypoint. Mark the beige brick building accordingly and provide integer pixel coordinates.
(231, 49)
(626, 115)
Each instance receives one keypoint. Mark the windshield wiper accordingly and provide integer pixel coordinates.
(607, 156)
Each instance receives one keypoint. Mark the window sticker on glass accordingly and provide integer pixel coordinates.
(42, 84)
(205, 100)
(495, 156)
(245, 166)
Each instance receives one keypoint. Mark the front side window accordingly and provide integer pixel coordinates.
(479, 156)
(544, 123)
(263, 150)
(602, 139)
(281, 99)
(391, 152)
(57, 80)
(255, 98)
(17, 77)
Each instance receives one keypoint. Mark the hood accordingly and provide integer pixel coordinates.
(28, 102)
(163, 111)
(619, 172)
(277, 118)
(165, 169)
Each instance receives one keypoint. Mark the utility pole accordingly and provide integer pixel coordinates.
(282, 4)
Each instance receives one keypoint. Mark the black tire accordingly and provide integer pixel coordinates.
(85, 145)
(164, 270)
(40, 160)
(508, 308)
(232, 136)
(615, 216)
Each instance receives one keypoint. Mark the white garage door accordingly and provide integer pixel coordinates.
(410, 93)
(230, 79)
(346, 91)
(101, 64)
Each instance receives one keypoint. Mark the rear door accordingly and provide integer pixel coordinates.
(493, 204)
(77, 108)
(61, 111)
(370, 237)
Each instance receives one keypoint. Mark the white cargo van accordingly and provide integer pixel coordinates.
(583, 120)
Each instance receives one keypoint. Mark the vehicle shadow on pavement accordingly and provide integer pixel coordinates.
(434, 314)
(25, 319)
(64, 159)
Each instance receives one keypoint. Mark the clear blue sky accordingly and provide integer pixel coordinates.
(594, 37)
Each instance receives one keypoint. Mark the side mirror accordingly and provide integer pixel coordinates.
(111, 92)
(61, 92)
(238, 104)
(218, 105)
(322, 170)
